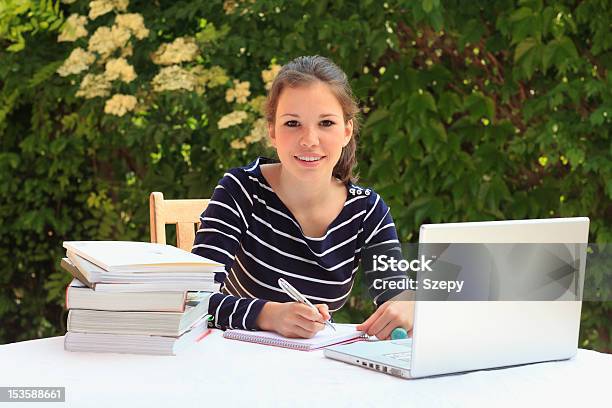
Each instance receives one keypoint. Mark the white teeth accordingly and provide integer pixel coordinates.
(308, 158)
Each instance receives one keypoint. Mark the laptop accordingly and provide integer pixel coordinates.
(460, 336)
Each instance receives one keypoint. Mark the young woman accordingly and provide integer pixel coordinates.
(300, 218)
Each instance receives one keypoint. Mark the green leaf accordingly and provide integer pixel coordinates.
(438, 129)
(437, 20)
(520, 14)
(420, 102)
(597, 117)
(523, 48)
(575, 156)
(427, 5)
(44, 73)
(376, 116)
(567, 45)
(528, 55)
(480, 106)
(471, 33)
(20, 45)
(548, 55)
(449, 103)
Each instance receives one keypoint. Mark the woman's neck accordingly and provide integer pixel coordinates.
(305, 193)
(301, 194)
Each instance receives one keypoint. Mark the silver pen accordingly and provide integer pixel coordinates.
(298, 297)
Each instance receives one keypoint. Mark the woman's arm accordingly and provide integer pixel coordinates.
(222, 226)
(395, 307)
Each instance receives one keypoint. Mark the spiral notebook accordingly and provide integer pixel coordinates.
(326, 337)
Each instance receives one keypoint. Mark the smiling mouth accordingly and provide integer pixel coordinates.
(309, 159)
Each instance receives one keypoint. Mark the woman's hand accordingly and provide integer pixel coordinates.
(292, 319)
(391, 314)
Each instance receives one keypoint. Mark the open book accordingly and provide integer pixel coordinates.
(90, 276)
(138, 257)
(324, 338)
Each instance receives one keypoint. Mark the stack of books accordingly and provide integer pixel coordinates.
(136, 297)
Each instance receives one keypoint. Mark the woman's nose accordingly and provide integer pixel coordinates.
(309, 137)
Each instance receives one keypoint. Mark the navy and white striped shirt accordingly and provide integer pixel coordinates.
(249, 229)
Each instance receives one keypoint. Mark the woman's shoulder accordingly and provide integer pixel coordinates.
(366, 194)
(367, 201)
(244, 180)
(244, 175)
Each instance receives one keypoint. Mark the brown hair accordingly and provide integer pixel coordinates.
(306, 70)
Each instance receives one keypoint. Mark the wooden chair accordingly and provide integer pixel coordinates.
(185, 214)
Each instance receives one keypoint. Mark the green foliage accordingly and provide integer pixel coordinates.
(26, 17)
(500, 110)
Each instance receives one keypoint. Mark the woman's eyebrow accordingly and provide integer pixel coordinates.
(323, 115)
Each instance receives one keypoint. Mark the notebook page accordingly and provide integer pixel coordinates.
(323, 338)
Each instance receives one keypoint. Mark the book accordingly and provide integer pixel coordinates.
(324, 338)
(157, 287)
(74, 271)
(137, 257)
(136, 344)
(79, 296)
(142, 323)
(93, 275)
(193, 286)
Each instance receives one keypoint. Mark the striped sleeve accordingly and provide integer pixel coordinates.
(222, 226)
(380, 239)
(232, 312)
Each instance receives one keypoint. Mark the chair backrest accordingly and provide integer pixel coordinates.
(185, 214)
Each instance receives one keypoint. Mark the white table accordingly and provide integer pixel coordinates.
(228, 373)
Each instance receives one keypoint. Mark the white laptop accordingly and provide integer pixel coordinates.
(458, 336)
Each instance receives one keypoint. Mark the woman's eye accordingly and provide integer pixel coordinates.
(327, 123)
(292, 123)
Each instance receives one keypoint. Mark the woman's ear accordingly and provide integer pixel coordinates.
(348, 132)
(271, 135)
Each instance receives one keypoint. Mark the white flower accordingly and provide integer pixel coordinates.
(182, 49)
(268, 75)
(98, 8)
(174, 78)
(258, 132)
(94, 85)
(133, 22)
(240, 92)
(127, 51)
(119, 104)
(229, 6)
(259, 104)
(215, 76)
(73, 28)
(238, 144)
(106, 40)
(118, 68)
(78, 61)
(232, 119)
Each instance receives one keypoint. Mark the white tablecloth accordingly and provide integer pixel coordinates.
(225, 372)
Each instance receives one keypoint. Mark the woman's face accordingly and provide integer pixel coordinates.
(309, 131)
